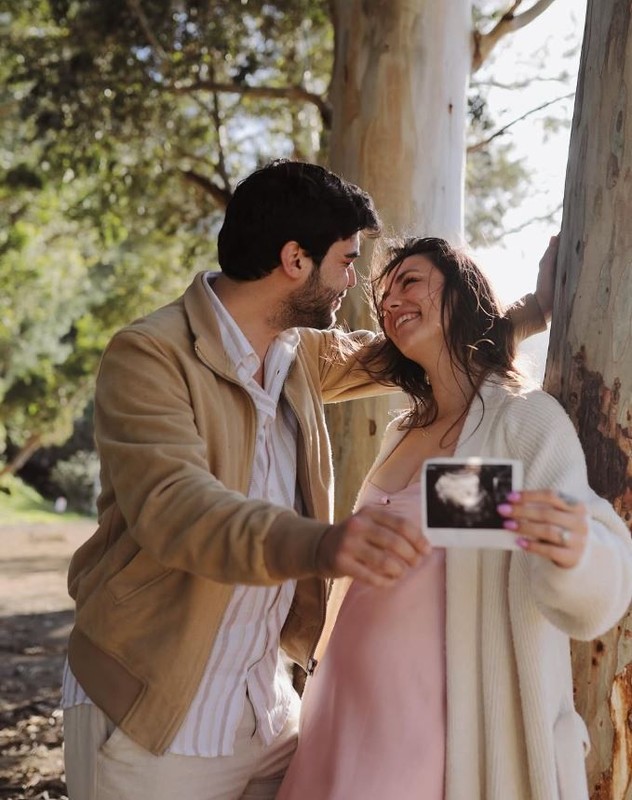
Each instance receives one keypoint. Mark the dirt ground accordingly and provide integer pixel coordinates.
(35, 619)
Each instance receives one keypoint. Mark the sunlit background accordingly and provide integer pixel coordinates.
(555, 37)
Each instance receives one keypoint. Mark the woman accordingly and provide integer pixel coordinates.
(456, 682)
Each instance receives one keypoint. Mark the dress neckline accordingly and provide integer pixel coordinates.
(413, 485)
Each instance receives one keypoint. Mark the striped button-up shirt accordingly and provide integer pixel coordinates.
(245, 659)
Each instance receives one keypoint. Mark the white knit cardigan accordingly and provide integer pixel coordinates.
(512, 730)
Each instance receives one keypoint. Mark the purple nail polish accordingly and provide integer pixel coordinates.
(504, 509)
(522, 543)
(510, 525)
(513, 497)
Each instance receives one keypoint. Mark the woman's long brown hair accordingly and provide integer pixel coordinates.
(478, 336)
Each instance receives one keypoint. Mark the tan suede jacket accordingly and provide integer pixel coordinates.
(175, 432)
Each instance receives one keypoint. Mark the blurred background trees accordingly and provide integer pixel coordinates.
(125, 126)
(127, 123)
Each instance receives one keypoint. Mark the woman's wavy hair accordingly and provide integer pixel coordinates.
(478, 336)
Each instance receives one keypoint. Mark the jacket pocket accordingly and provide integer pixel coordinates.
(572, 745)
(137, 575)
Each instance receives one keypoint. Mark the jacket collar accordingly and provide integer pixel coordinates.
(207, 336)
(205, 329)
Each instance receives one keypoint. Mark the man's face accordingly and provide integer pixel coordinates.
(315, 303)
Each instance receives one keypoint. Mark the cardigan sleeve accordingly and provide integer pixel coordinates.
(588, 599)
(526, 317)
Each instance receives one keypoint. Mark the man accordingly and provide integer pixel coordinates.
(214, 537)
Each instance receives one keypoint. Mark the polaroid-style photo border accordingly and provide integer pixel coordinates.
(479, 537)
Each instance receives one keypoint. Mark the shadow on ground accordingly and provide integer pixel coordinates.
(32, 648)
(35, 620)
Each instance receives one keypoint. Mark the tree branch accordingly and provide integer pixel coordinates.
(33, 443)
(136, 9)
(544, 218)
(219, 195)
(493, 84)
(510, 22)
(266, 92)
(473, 148)
(221, 161)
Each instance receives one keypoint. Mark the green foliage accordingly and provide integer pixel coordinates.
(114, 163)
(65, 290)
(486, 209)
(126, 89)
(20, 503)
(125, 127)
(77, 479)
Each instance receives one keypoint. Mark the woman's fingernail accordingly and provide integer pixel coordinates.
(513, 497)
(504, 509)
(510, 525)
(522, 543)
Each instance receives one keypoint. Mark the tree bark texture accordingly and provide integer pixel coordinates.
(589, 365)
(399, 112)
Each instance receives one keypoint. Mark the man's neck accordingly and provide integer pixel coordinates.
(248, 304)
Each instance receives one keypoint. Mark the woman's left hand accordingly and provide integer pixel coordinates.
(550, 524)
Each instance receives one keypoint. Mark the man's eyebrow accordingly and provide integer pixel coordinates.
(354, 254)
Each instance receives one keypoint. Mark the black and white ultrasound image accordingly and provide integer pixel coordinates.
(466, 495)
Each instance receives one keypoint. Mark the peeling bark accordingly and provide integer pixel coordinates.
(589, 367)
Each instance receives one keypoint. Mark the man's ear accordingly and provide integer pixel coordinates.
(293, 260)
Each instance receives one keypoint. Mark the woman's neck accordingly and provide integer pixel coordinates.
(452, 389)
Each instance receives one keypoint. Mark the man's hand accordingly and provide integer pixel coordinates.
(373, 545)
(545, 285)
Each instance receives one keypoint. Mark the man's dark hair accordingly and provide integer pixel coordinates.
(289, 201)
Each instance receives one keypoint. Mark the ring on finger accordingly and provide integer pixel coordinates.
(564, 537)
(568, 498)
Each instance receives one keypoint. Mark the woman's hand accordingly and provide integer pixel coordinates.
(550, 524)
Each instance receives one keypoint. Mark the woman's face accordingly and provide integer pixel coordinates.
(411, 306)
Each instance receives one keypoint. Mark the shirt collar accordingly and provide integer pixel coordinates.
(237, 346)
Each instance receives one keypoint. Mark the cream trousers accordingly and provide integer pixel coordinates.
(102, 763)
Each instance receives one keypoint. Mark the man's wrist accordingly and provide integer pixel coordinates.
(291, 546)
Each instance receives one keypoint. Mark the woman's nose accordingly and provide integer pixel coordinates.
(390, 302)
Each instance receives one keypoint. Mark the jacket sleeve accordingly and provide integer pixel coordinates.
(173, 506)
(588, 599)
(332, 358)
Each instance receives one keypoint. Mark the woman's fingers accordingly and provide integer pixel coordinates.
(550, 524)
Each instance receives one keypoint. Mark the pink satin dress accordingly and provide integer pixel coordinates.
(373, 714)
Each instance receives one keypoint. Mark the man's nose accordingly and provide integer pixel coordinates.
(352, 278)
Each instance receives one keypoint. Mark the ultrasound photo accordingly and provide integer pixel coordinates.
(466, 495)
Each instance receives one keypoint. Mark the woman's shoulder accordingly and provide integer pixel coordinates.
(526, 400)
(532, 420)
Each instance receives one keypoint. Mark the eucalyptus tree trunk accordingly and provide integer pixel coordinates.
(590, 354)
(399, 108)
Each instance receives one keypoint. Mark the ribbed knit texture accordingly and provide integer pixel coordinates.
(511, 724)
